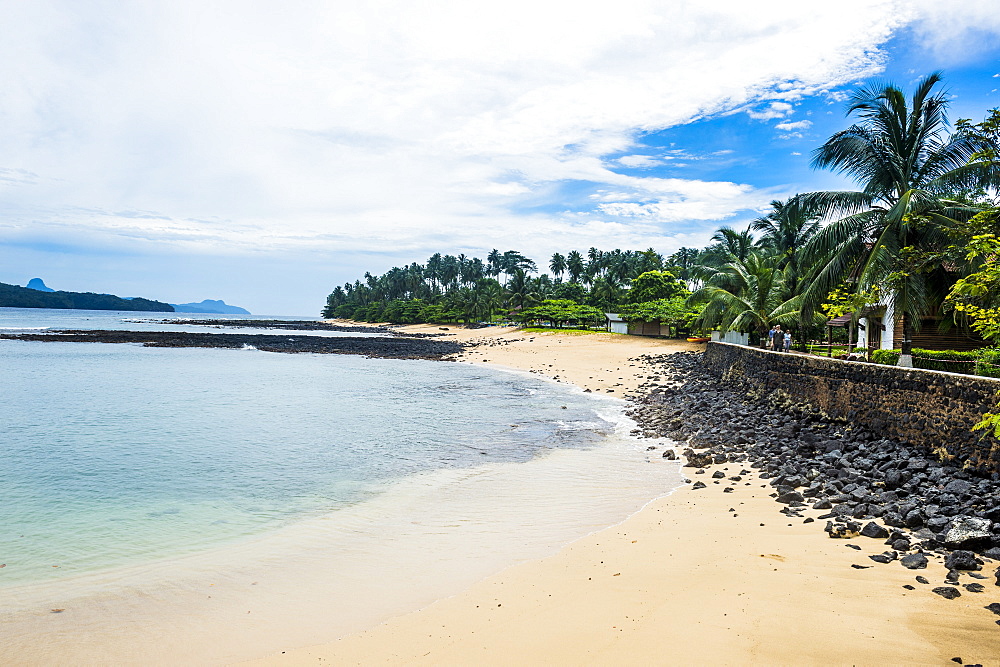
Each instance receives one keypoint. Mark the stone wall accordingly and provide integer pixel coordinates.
(931, 409)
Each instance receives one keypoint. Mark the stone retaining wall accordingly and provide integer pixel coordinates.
(931, 409)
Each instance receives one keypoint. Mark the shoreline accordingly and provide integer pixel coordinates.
(438, 531)
(697, 575)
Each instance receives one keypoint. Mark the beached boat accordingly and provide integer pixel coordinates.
(698, 340)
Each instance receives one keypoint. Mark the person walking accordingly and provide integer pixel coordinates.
(778, 340)
(788, 341)
(770, 337)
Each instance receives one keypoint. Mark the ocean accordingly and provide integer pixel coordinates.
(201, 506)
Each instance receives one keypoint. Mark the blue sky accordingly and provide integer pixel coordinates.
(263, 154)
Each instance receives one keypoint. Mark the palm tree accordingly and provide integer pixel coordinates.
(606, 293)
(494, 261)
(787, 228)
(684, 258)
(595, 262)
(728, 245)
(746, 295)
(521, 290)
(575, 266)
(908, 168)
(557, 265)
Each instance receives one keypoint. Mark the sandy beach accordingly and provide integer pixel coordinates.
(697, 576)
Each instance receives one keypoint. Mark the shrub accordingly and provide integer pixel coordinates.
(952, 361)
(887, 357)
(989, 363)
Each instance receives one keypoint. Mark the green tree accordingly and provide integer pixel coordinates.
(558, 312)
(786, 230)
(909, 169)
(575, 266)
(978, 294)
(746, 296)
(557, 265)
(655, 285)
(572, 291)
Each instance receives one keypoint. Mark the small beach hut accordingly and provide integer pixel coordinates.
(615, 324)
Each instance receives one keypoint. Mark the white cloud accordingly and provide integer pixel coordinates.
(248, 127)
(791, 127)
(773, 110)
(954, 36)
(639, 161)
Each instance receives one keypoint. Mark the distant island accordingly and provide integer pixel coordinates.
(210, 306)
(36, 294)
(41, 296)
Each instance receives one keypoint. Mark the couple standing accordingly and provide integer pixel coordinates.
(778, 340)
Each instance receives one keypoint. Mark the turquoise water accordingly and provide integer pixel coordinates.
(159, 493)
(118, 452)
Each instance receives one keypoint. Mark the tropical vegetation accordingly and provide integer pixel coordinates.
(920, 233)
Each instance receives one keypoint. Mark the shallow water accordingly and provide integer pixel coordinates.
(35, 320)
(206, 505)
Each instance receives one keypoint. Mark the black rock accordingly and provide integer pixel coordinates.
(948, 592)
(718, 474)
(874, 530)
(922, 580)
(974, 588)
(914, 561)
(822, 504)
(957, 487)
(698, 485)
(913, 519)
(853, 546)
(861, 567)
(884, 558)
(937, 523)
(790, 497)
(994, 607)
(909, 587)
(670, 455)
(893, 518)
(901, 544)
(961, 560)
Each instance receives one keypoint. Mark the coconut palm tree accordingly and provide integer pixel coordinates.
(786, 230)
(575, 266)
(908, 168)
(746, 295)
(728, 245)
(521, 290)
(557, 265)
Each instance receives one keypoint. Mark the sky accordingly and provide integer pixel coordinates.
(263, 153)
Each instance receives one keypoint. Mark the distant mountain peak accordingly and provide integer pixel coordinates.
(39, 285)
(214, 306)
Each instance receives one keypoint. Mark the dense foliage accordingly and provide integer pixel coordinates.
(14, 296)
(448, 288)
